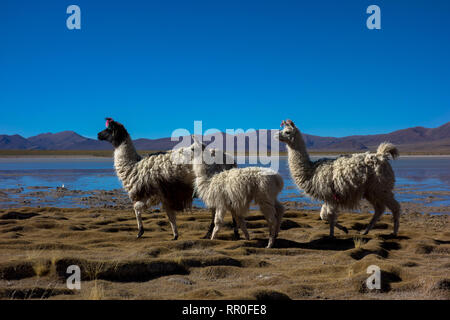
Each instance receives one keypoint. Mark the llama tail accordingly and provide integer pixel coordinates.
(280, 182)
(385, 149)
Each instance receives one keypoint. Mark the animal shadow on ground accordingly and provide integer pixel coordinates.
(324, 243)
(387, 278)
(358, 226)
(18, 215)
(392, 237)
(361, 226)
(389, 245)
(441, 241)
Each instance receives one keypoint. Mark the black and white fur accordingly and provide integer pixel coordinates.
(153, 179)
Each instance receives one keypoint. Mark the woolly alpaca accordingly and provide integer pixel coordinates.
(154, 179)
(341, 183)
(235, 189)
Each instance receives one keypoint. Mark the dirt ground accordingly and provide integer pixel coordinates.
(38, 244)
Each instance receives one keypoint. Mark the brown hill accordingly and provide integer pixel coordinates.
(411, 139)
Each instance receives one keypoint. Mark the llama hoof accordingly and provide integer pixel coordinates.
(365, 232)
(141, 232)
(207, 236)
(175, 238)
(345, 229)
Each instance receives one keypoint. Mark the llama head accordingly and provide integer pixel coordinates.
(196, 152)
(213, 159)
(197, 147)
(115, 133)
(288, 133)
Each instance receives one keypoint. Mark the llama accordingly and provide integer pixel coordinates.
(155, 179)
(234, 190)
(341, 183)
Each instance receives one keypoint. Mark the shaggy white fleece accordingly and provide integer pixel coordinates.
(161, 178)
(165, 177)
(341, 183)
(235, 189)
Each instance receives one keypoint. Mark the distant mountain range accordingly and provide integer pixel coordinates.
(410, 139)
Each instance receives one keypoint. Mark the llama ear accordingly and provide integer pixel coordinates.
(198, 142)
(290, 123)
(108, 121)
(195, 139)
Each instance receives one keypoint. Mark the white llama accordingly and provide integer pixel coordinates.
(341, 183)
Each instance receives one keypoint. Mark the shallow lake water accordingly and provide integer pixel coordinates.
(418, 179)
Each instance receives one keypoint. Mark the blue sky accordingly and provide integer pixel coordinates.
(159, 65)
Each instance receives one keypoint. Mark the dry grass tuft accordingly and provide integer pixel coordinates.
(93, 269)
(358, 241)
(41, 268)
(97, 292)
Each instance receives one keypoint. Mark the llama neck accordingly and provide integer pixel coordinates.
(202, 182)
(201, 175)
(299, 162)
(125, 156)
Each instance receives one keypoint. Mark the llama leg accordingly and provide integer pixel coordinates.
(218, 222)
(173, 222)
(270, 214)
(279, 209)
(330, 213)
(341, 227)
(379, 209)
(211, 225)
(241, 222)
(394, 206)
(139, 207)
(324, 212)
(236, 235)
(332, 221)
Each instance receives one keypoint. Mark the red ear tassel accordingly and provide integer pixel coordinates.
(108, 120)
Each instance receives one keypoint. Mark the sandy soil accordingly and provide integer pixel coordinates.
(38, 244)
